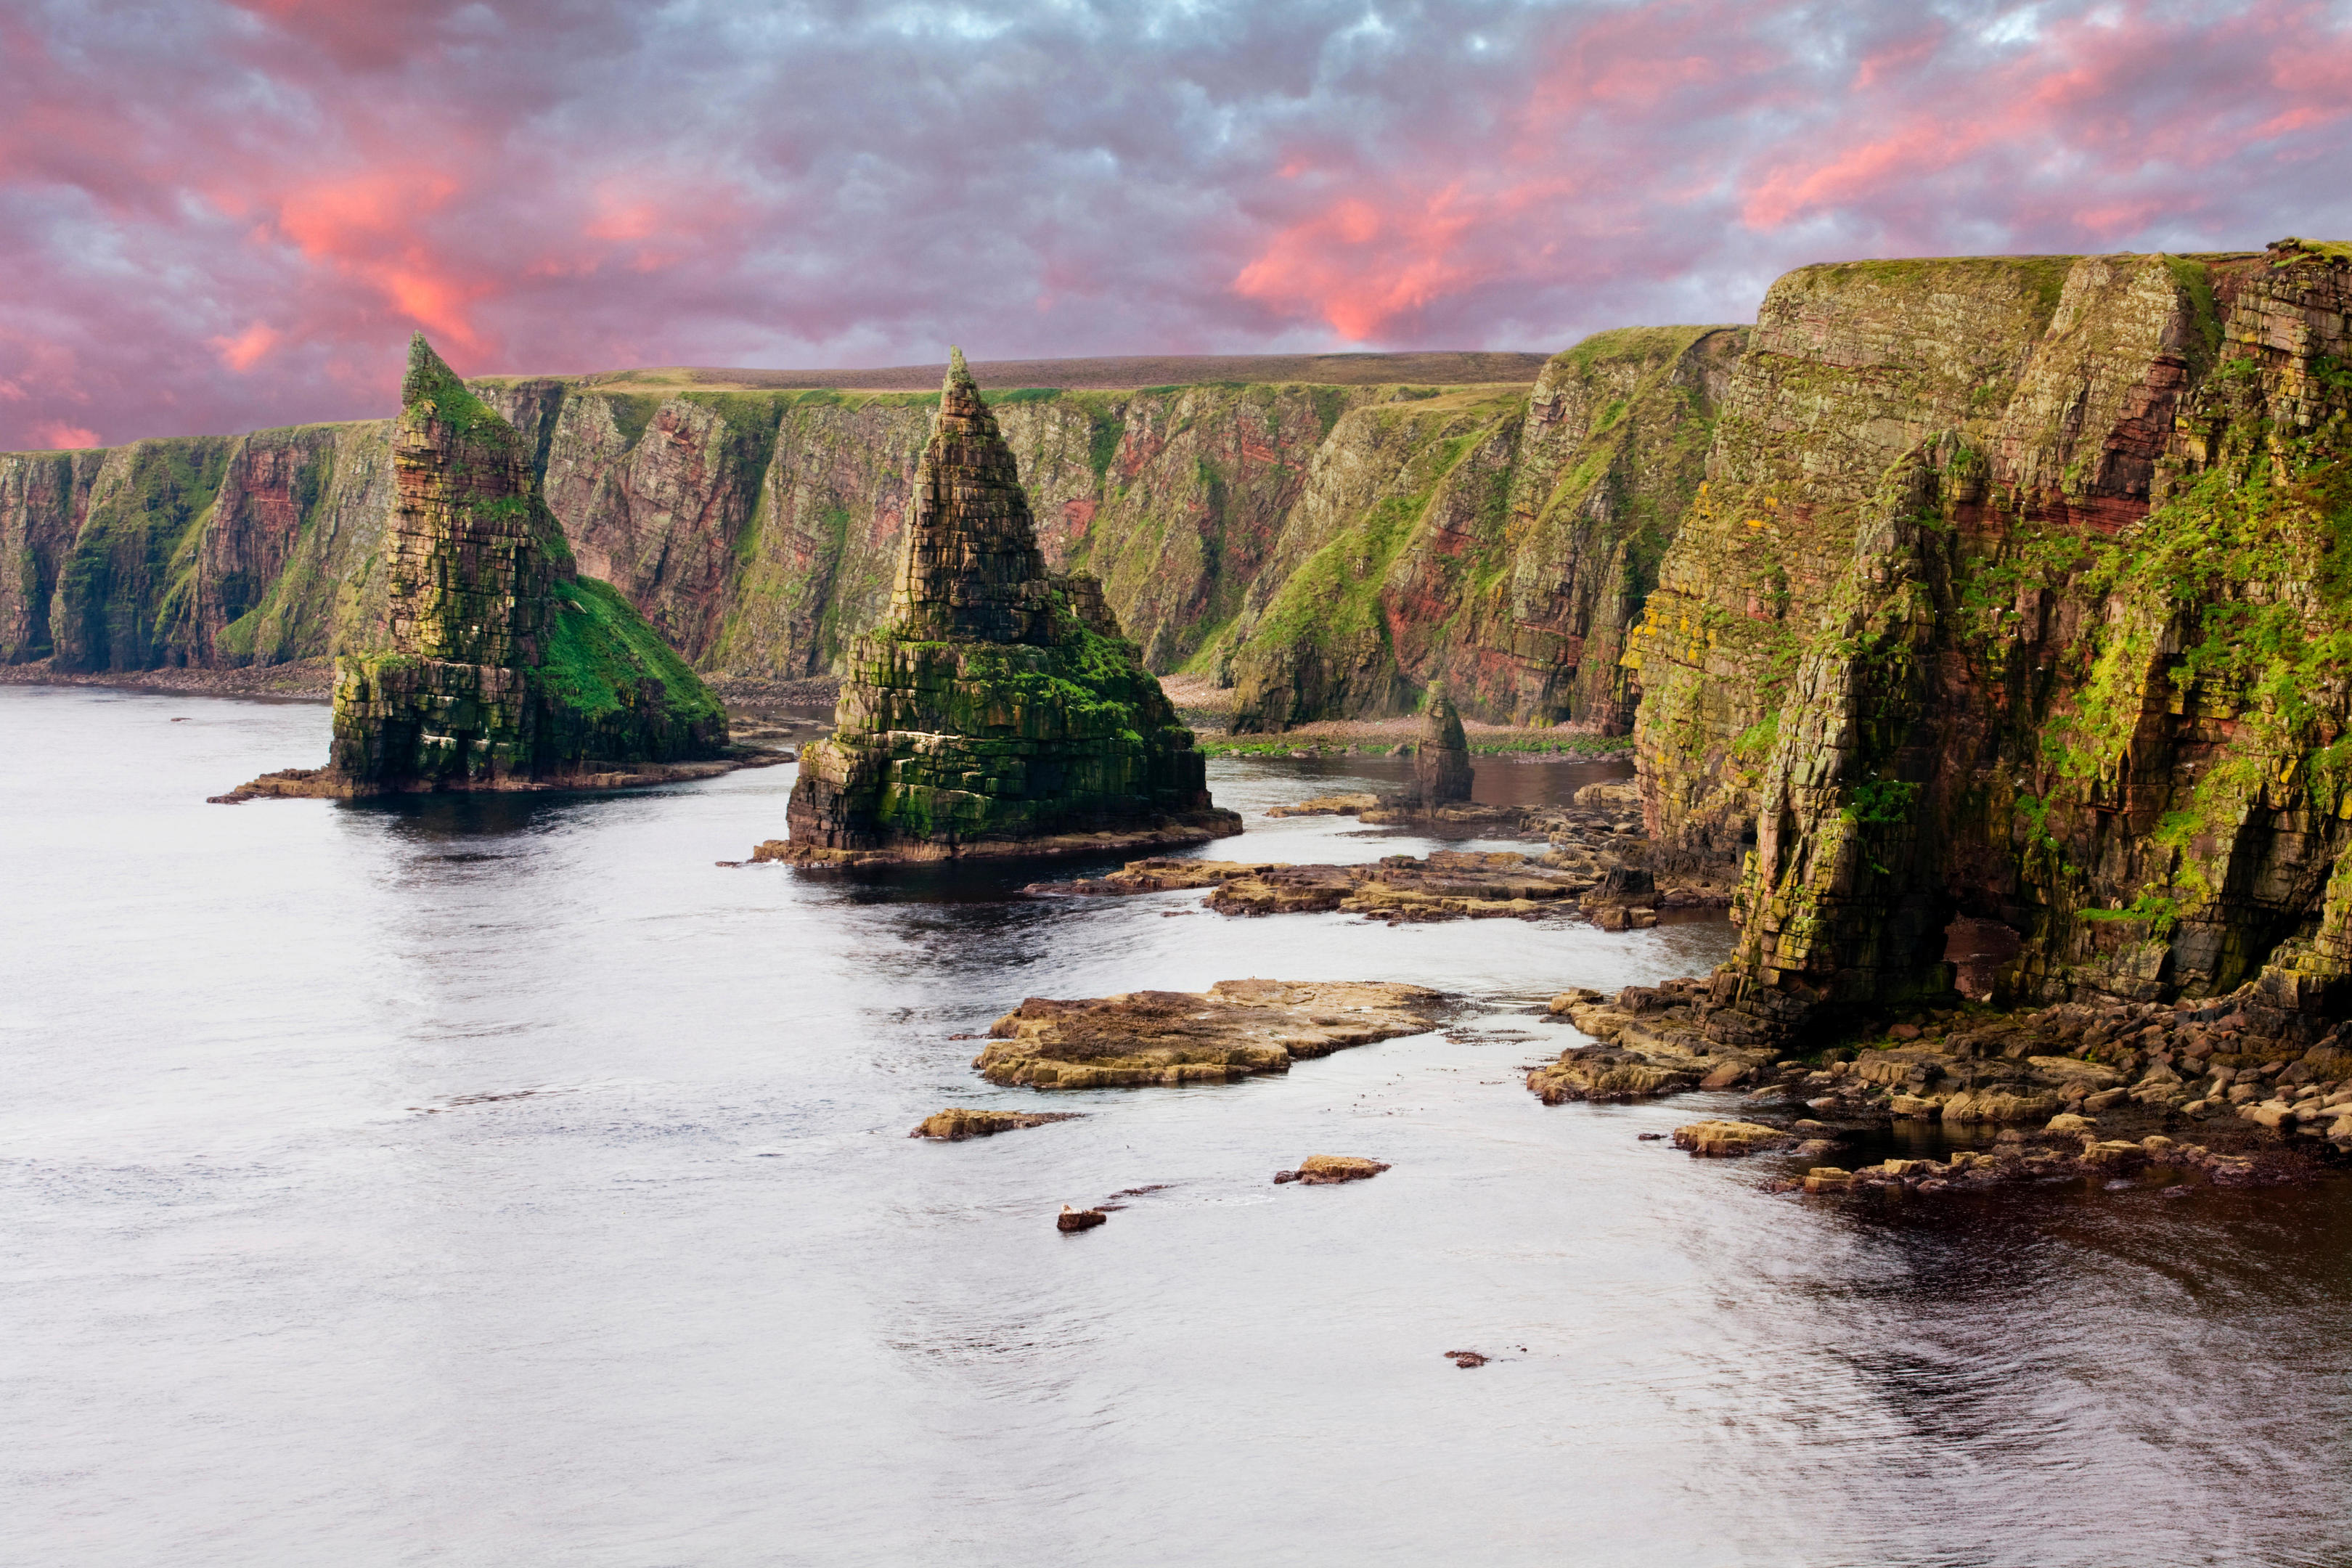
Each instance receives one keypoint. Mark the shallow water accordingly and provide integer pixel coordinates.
(502, 1182)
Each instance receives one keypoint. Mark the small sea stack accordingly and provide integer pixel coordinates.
(999, 711)
(1441, 763)
(480, 658)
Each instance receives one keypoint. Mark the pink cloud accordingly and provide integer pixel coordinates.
(244, 351)
(51, 434)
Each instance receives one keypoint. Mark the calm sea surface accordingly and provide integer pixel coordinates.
(500, 1181)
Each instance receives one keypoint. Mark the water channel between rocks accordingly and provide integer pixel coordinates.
(500, 1180)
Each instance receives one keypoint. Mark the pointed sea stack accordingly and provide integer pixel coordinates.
(1441, 763)
(495, 665)
(998, 710)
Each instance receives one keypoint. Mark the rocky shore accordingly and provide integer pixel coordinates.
(300, 681)
(2236, 1088)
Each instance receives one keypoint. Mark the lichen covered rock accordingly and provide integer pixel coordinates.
(998, 708)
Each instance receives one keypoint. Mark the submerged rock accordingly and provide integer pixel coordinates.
(1236, 1028)
(955, 1124)
(999, 711)
(1329, 1170)
(495, 665)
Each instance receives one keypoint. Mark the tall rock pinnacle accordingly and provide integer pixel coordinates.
(970, 568)
(998, 710)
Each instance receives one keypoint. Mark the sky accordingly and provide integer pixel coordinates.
(221, 214)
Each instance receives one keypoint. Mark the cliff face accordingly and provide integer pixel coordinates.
(201, 551)
(758, 530)
(1489, 536)
(1499, 543)
(2011, 624)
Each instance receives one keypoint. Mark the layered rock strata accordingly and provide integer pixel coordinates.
(493, 665)
(1236, 1029)
(998, 710)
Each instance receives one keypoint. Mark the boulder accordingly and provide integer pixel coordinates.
(1999, 1106)
(1727, 1140)
(1072, 1219)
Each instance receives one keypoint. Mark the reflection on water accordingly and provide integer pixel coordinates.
(501, 1181)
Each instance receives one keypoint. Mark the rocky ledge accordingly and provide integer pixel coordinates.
(1446, 885)
(2056, 1156)
(1234, 1030)
(2072, 1089)
(1599, 835)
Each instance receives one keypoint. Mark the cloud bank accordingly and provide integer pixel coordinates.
(219, 216)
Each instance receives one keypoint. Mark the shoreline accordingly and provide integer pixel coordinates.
(301, 680)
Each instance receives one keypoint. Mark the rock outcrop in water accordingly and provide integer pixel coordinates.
(495, 665)
(1441, 763)
(998, 710)
(1236, 1029)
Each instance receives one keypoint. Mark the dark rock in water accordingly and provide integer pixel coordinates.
(1330, 1170)
(1441, 763)
(998, 710)
(1465, 1360)
(955, 1124)
(495, 665)
(1073, 1219)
